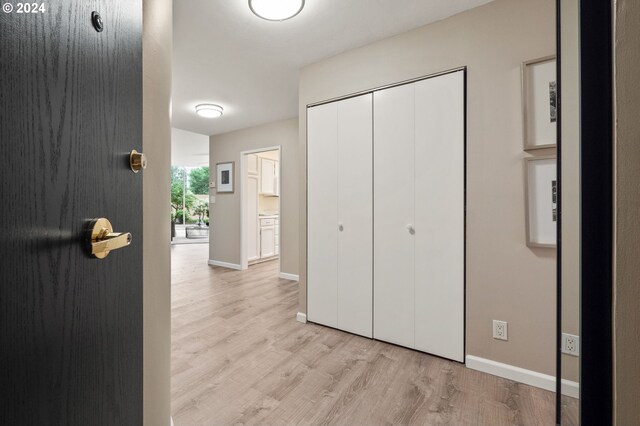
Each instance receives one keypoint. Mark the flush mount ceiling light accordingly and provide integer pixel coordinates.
(276, 10)
(209, 110)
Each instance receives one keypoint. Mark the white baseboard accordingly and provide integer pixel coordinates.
(290, 277)
(521, 375)
(301, 317)
(225, 264)
(570, 388)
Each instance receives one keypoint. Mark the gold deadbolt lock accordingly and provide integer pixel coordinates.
(137, 161)
(102, 240)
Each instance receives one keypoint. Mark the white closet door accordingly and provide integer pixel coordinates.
(355, 221)
(439, 216)
(253, 238)
(322, 214)
(393, 215)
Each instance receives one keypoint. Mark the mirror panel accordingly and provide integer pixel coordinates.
(570, 201)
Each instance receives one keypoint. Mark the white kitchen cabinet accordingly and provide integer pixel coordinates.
(340, 215)
(267, 238)
(276, 184)
(269, 172)
(252, 226)
(252, 164)
(277, 236)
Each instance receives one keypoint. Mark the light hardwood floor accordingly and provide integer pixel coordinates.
(240, 357)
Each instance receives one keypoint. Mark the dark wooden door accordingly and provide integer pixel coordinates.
(71, 111)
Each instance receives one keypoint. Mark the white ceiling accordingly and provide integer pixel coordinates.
(226, 55)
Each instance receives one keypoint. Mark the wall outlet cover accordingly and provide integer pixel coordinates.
(500, 330)
(570, 344)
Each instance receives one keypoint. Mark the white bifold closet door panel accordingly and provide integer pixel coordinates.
(340, 215)
(439, 216)
(322, 214)
(394, 122)
(355, 215)
(419, 215)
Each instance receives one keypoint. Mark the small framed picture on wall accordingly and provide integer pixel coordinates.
(539, 103)
(541, 201)
(224, 173)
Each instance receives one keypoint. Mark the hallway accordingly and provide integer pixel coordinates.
(240, 357)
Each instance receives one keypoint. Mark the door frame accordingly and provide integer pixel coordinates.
(596, 213)
(244, 261)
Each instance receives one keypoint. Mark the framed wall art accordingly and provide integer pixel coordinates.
(539, 103)
(225, 176)
(541, 201)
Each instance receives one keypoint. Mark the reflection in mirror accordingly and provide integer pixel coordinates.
(570, 201)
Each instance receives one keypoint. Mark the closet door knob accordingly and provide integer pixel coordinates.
(411, 229)
(340, 227)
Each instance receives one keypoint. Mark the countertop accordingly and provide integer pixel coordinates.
(268, 216)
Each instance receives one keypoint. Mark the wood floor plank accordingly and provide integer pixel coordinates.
(570, 411)
(239, 357)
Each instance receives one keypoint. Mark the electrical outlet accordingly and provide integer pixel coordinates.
(500, 330)
(570, 344)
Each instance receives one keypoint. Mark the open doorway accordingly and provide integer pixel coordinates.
(189, 205)
(260, 206)
(189, 188)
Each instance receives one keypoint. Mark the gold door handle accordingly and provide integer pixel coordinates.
(103, 240)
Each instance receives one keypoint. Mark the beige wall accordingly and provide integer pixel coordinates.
(225, 213)
(157, 46)
(627, 227)
(506, 280)
(570, 181)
